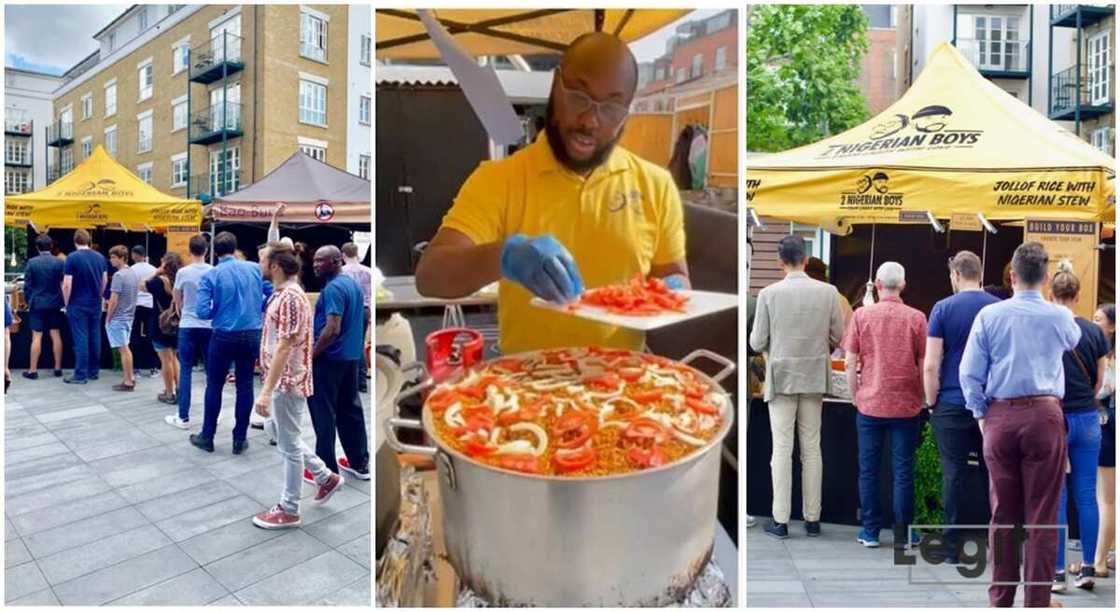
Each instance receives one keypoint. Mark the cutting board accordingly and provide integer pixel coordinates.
(700, 304)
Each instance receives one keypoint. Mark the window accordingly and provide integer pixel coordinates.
(229, 182)
(313, 37)
(225, 40)
(66, 122)
(1099, 61)
(178, 114)
(365, 50)
(312, 103)
(144, 171)
(87, 147)
(682, 75)
(1101, 138)
(111, 98)
(144, 132)
(112, 41)
(697, 66)
(179, 170)
(179, 56)
(363, 166)
(717, 23)
(67, 160)
(319, 153)
(993, 42)
(143, 18)
(231, 109)
(147, 82)
(111, 140)
(87, 106)
(363, 110)
(17, 151)
(16, 181)
(721, 58)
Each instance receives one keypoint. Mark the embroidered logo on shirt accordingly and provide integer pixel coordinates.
(622, 199)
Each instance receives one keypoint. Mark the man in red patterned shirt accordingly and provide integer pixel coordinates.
(886, 345)
(286, 366)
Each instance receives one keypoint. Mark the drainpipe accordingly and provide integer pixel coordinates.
(256, 85)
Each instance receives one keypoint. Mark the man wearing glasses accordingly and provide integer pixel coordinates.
(571, 210)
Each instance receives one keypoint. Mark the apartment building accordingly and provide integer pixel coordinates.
(881, 68)
(27, 112)
(700, 48)
(207, 99)
(1057, 58)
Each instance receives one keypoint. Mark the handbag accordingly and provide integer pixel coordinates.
(169, 318)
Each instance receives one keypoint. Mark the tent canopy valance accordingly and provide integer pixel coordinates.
(401, 35)
(314, 192)
(100, 192)
(954, 143)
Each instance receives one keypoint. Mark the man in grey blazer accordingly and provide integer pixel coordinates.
(797, 323)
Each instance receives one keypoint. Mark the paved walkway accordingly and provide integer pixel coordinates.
(107, 504)
(835, 571)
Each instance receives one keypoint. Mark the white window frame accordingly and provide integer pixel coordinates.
(87, 147)
(1099, 61)
(983, 49)
(681, 75)
(180, 45)
(177, 159)
(314, 34)
(145, 67)
(115, 148)
(214, 164)
(142, 145)
(721, 58)
(140, 171)
(16, 181)
(309, 114)
(363, 166)
(17, 151)
(1101, 138)
(66, 160)
(696, 67)
(180, 102)
(314, 147)
(364, 51)
(87, 105)
(111, 110)
(365, 109)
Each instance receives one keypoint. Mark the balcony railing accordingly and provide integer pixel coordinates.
(19, 156)
(998, 56)
(1068, 101)
(60, 134)
(214, 184)
(1066, 15)
(220, 56)
(16, 126)
(209, 125)
(53, 174)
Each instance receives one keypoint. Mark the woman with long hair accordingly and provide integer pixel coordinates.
(1104, 560)
(1084, 369)
(161, 286)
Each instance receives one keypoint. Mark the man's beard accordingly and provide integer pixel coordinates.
(556, 143)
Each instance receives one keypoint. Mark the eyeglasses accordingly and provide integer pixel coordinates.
(610, 113)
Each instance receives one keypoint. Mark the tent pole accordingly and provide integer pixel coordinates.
(983, 255)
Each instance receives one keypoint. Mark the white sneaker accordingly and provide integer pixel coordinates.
(174, 421)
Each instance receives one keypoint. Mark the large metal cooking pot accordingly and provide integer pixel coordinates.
(636, 539)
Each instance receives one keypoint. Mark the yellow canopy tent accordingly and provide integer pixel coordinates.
(400, 35)
(954, 143)
(100, 192)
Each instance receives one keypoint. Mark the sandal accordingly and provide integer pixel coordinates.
(124, 387)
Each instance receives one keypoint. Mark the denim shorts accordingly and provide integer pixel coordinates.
(119, 331)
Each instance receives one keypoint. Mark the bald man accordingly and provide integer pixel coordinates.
(571, 210)
(335, 406)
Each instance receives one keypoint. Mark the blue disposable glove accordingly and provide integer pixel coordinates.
(674, 281)
(543, 266)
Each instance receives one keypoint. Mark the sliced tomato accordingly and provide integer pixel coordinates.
(474, 393)
(574, 460)
(519, 463)
(701, 406)
(631, 375)
(526, 413)
(693, 392)
(442, 399)
(646, 457)
(609, 381)
(574, 429)
(648, 397)
(477, 448)
(509, 365)
(645, 428)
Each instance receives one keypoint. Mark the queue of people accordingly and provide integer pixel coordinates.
(1018, 388)
(235, 314)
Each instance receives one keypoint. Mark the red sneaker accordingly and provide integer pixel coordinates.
(307, 477)
(276, 518)
(326, 491)
(344, 464)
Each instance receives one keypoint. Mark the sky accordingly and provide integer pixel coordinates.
(653, 46)
(32, 34)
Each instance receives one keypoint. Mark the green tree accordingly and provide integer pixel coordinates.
(802, 64)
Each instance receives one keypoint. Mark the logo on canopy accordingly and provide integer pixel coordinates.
(324, 211)
(925, 128)
(103, 187)
(873, 192)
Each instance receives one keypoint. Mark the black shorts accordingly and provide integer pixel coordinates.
(1108, 442)
(44, 319)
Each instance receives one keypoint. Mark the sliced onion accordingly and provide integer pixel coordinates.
(707, 422)
(517, 447)
(564, 452)
(452, 417)
(495, 435)
(604, 396)
(687, 439)
(618, 424)
(536, 430)
(548, 386)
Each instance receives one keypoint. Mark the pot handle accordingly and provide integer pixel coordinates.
(728, 365)
(391, 425)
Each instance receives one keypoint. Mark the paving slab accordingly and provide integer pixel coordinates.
(194, 588)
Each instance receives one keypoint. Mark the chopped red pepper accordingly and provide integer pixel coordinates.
(648, 397)
(645, 428)
(477, 448)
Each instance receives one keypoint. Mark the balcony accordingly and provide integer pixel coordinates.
(1068, 102)
(214, 185)
(18, 127)
(53, 174)
(17, 157)
(216, 59)
(1009, 59)
(60, 134)
(1065, 15)
(212, 124)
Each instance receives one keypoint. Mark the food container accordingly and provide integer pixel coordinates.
(634, 539)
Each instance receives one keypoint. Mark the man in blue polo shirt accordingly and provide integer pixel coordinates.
(42, 286)
(85, 278)
(339, 337)
(230, 297)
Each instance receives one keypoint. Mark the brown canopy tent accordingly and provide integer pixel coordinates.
(313, 191)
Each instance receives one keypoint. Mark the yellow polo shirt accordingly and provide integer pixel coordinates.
(617, 222)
